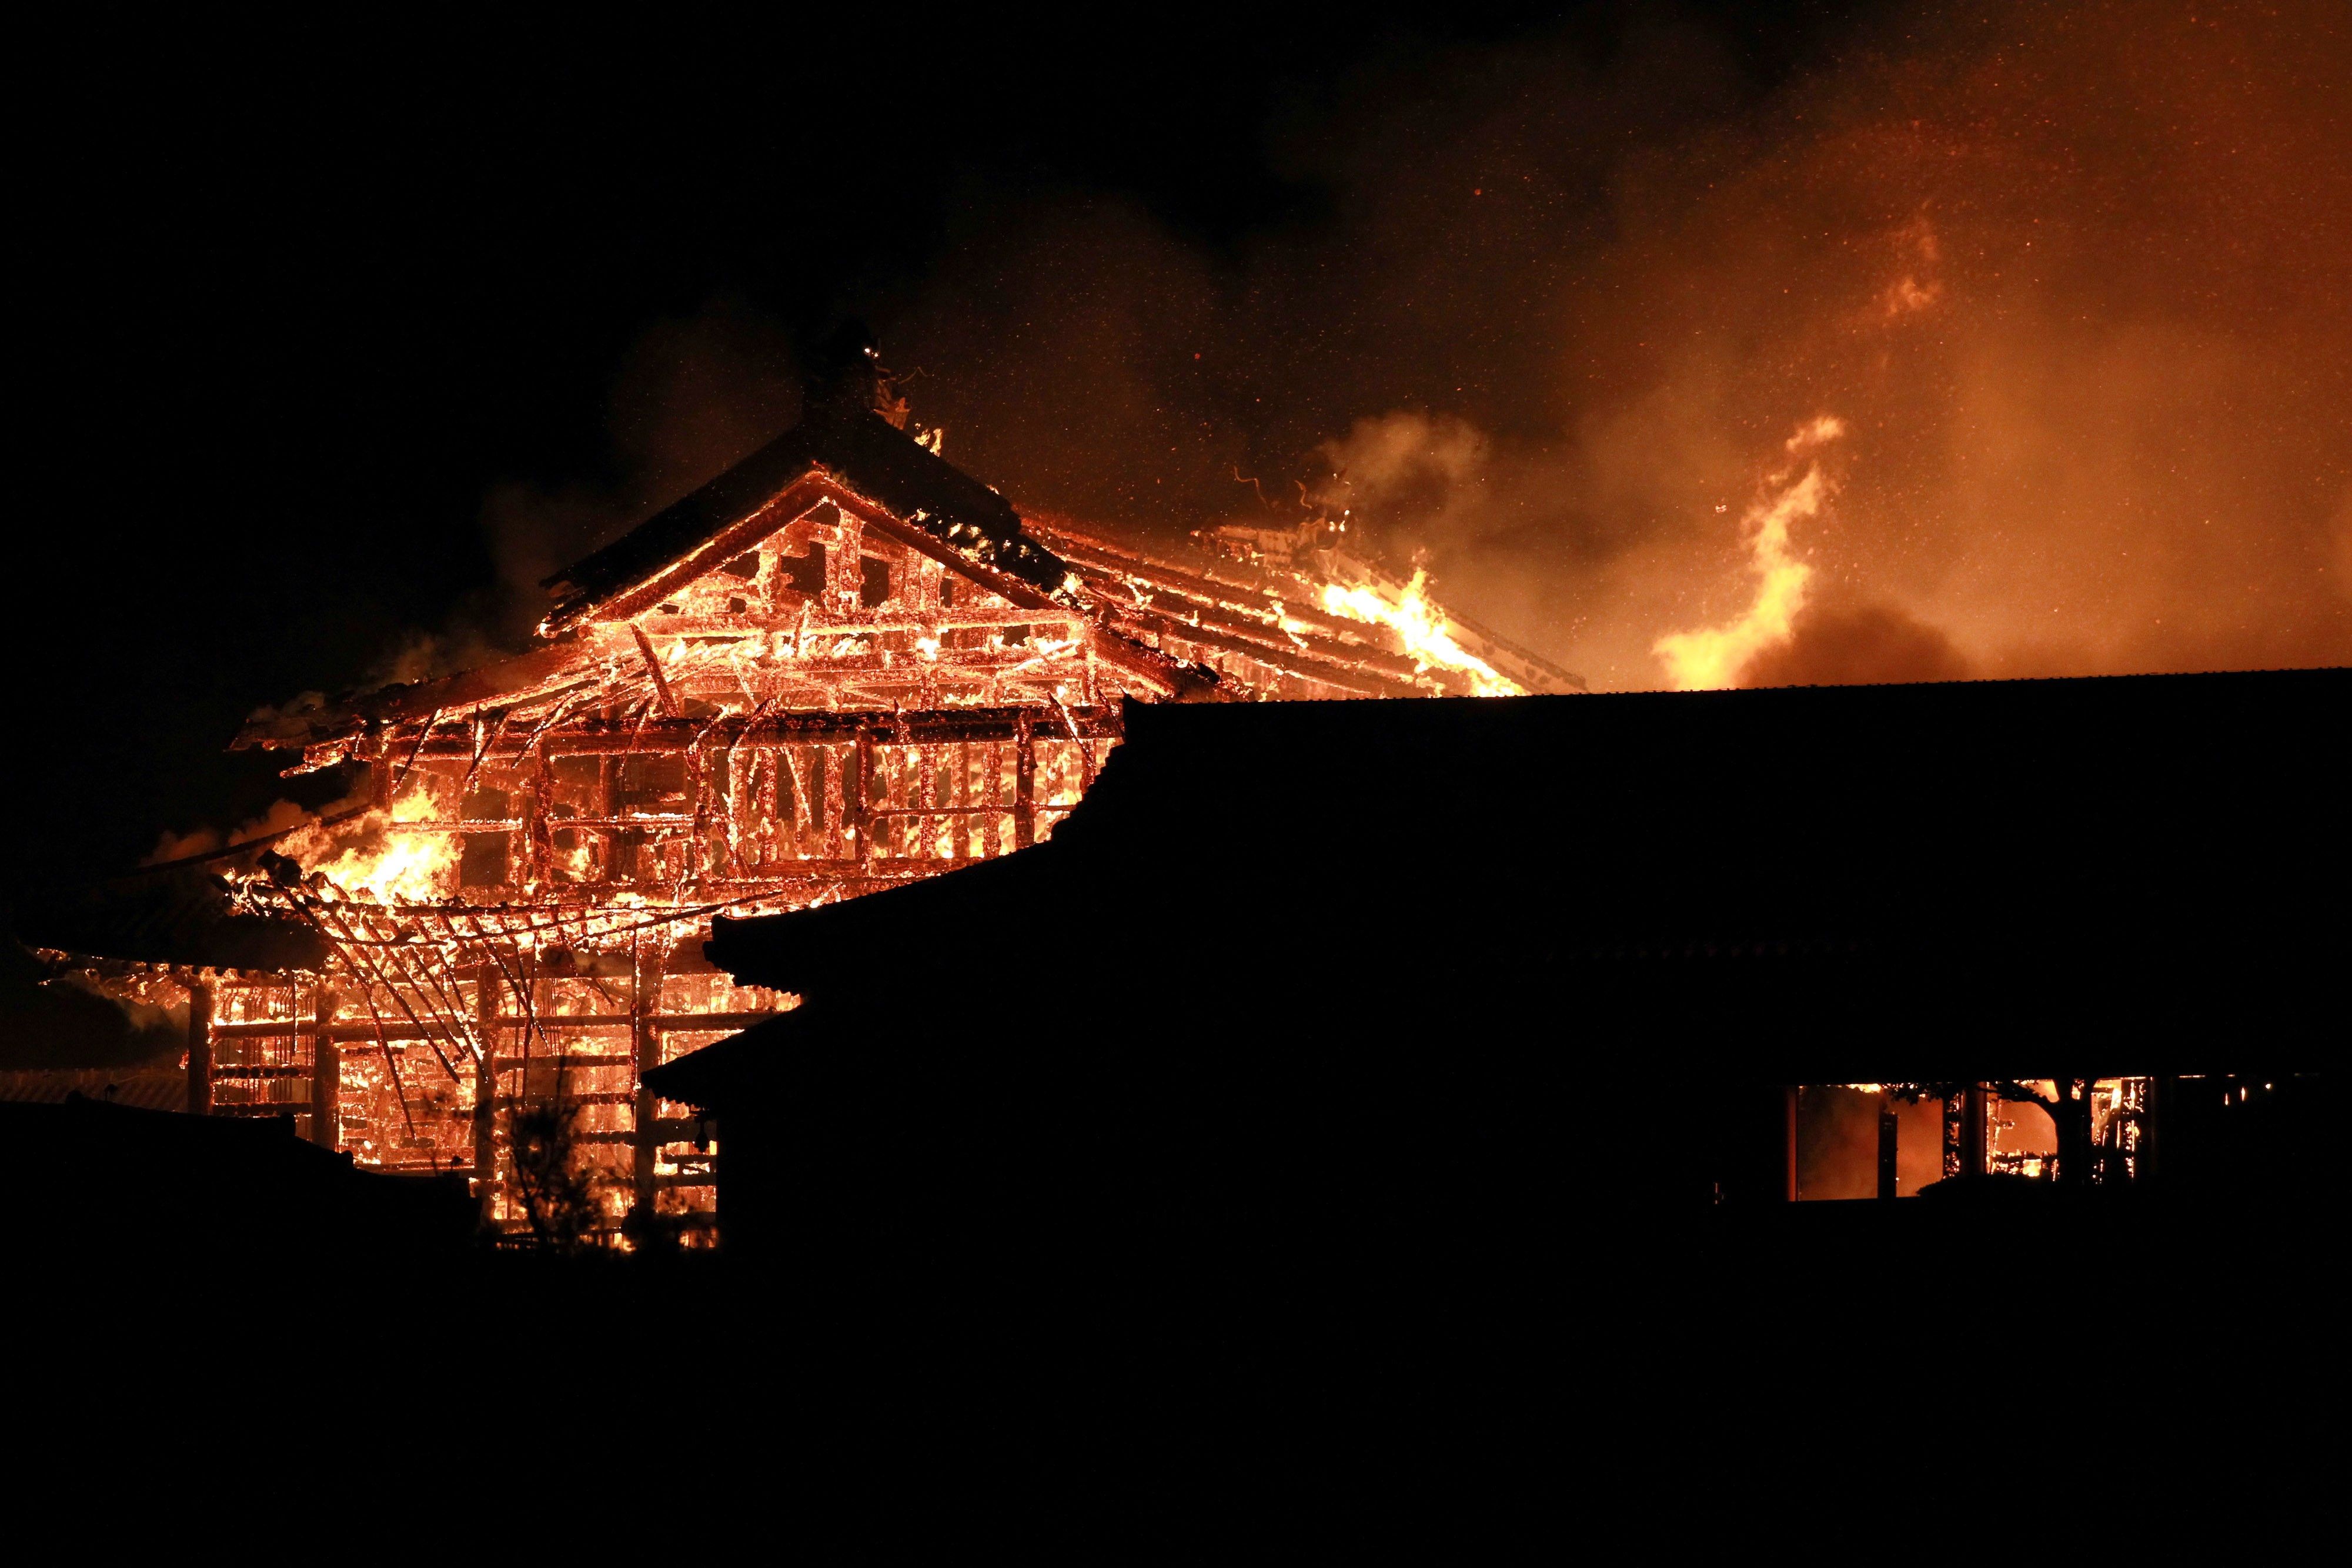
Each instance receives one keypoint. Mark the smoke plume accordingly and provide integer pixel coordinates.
(2071, 278)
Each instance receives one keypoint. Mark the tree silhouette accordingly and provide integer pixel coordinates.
(559, 1201)
(2068, 1106)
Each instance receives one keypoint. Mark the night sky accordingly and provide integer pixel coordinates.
(341, 333)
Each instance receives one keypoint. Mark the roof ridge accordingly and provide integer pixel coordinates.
(862, 453)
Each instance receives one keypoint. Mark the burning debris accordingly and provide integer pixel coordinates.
(838, 667)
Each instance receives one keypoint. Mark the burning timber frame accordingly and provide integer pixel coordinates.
(841, 665)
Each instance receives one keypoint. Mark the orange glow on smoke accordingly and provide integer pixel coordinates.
(370, 857)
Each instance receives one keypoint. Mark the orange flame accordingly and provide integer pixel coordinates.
(1421, 626)
(366, 857)
(1712, 657)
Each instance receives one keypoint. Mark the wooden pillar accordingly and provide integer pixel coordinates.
(825, 770)
(200, 1050)
(1889, 1130)
(326, 1073)
(380, 772)
(694, 864)
(536, 839)
(1000, 828)
(645, 1001)
(599, 840)
(327, 1095)
(1972, 1130)
(1024, 784)
(2163, 1095)
(855, 785)
(1788, 1193)
(486, 1087)
(845, 570)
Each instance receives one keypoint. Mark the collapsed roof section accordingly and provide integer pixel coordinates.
(1289, 612)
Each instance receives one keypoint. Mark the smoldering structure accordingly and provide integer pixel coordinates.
(841, 666)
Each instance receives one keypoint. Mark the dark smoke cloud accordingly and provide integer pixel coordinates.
(2072, 277)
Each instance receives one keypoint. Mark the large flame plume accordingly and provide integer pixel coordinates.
(1713, 657)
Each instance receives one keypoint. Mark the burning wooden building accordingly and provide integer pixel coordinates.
(839, 666)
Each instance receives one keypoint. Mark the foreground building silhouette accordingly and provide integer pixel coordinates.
(1461, 968)
(1422, 1105)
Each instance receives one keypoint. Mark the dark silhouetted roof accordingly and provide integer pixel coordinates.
(1808, 885)
(117, 1181)
(141, 1088)
(171, 916)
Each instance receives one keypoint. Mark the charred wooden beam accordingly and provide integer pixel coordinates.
(858, 769)
(326, 1091)
(1222, 581)
(325, 1067)
(1225, 579)
(1229, 598)
(1025, 786)
(486, 1090)
(653, 668)
(646, 1053)
(1268, 629)
(1318, 660)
